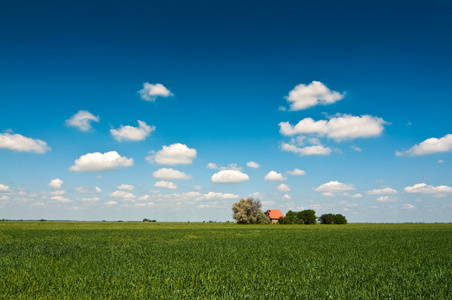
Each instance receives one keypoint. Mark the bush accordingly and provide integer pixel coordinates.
(332, 219)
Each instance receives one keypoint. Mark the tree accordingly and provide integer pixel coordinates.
(340, 219)
(332, 219)
(248, 211)
(307, 216)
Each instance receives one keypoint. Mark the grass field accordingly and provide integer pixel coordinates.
(81, 260)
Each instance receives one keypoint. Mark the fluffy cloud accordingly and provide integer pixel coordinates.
(274, 176)
(58, 193)
(232, 166)
(129, 133)
(283, 187)
(100, 162)
(61, 199)
(329, 188)
(82, 120)
(229, 176)
(252, 164)
(4, 188)
(408, 206)
(111, 203)
(20, 143)
(166, 185)
(354, 196)
(387, 199)
(212, 166)
(175, 154)
(316, 93)
(296, 172)
(212, 195)
(430, 146)
(308, 150)
(84, 190)
(125, 187)
(92, 199)
(341, 127)
(122, 195)
(383, 191)
(170, 174)
(150, 91)
(422, 188)
(56, 183)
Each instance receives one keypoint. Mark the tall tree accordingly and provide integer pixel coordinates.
(248, 211)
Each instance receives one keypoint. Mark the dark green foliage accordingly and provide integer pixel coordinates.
(110, 260)
(332, 219)
(302, 217)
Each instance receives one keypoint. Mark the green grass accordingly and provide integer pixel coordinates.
(82, 260)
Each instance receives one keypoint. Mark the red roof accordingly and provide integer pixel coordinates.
(274, 214)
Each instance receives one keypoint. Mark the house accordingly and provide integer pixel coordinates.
(274, 215)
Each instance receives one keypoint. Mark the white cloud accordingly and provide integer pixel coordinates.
(170, 174)
(274, 176)
(144, 198)
(100, 162)
(333, 187)
(286, 197)
(232, 166)
(316, 93)
(4, 188)
(82, 120)
(92, 199)
(229, 176)
(122, 195)
(212, 166)
(408, 206)
(308, 150)
(150, 91)
(387, 199)
(440, 161)
(166, 185)
(252, 164)
(175, 154)
(110, 203)
(4, 197)
(84, 190)
(296, 172)
(282, 108)
(430, 146)
(212, 195)
(129, 133)
(61, 199)
(56, 183)
(58, 193)
(354, 196)
(125, 187)
(341, 127)
(383, 191)
(20, 143)
(422, 188)
(357, 149)
(197, 187)
(283, 187)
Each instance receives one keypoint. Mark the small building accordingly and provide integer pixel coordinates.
(274, 215)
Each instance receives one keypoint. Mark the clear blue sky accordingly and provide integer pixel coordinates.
(354, 95)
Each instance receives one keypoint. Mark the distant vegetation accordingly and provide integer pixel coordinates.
(248, 211)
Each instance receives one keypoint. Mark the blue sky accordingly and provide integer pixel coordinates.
(341, 107)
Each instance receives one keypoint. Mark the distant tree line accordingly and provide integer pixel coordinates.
(248, 211)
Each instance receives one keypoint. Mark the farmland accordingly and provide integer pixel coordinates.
(82, 260)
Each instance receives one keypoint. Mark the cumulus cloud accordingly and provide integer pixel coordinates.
(166, 185)
(329, 188)
(82, 120)
(4, 197)
(125, 187)
(60, 199)
(122, 195)
(387, 199)
(229, 176)
(353, 196)
(175, 154)
(341, 127)
(308, 150)
(232, 166)
(4, 188)
(58, 193)
(283, 187)
(383, 191)
(56, 183)
(296, 172)
(129, 133)
(98, 162)
(170, 174)
(212, 166)
(111, 203)
(20, 143)
(408, 206)
(150, 91)
(286, 197)
(252, 164)
(430, 146)
(316, 93)
(422, 188)
(274, 176)
(213, 195)
(84, 190)
(92, 199)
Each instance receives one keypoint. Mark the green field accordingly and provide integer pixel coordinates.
(81, 260)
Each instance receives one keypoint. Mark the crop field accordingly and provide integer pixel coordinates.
(82, 260)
